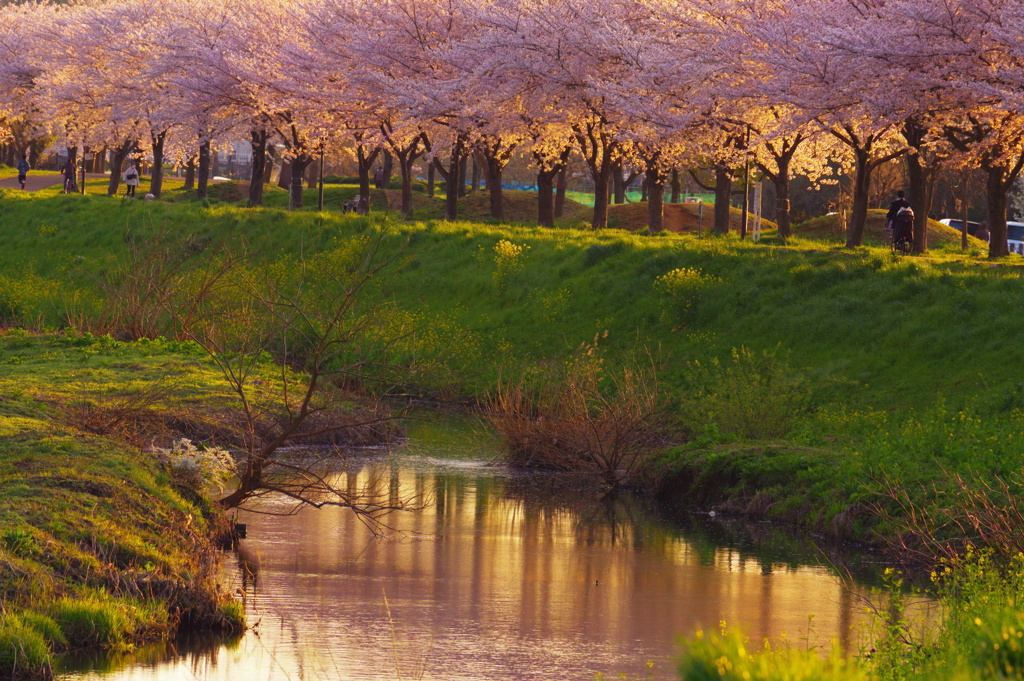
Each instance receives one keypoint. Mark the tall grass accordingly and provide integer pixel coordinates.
(980, 636)
(25, 651)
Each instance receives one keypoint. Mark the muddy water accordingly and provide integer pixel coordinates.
(496, 577)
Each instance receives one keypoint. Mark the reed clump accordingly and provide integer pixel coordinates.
(585, 418)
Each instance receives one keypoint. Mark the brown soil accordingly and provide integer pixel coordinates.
(678, 217)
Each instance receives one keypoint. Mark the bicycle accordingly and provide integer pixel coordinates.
(902, 227)
(902, 246)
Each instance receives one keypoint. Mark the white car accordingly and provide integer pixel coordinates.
(972, 227)
(1015, 237)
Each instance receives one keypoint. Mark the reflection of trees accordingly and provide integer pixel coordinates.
(616, 519)
(199, 651)
(773, 545)
(606, 520)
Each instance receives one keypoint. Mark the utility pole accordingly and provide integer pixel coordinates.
(85, 156)
(746, 186)
(320, 191)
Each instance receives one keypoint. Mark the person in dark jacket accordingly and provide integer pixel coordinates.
(23, 168)
(69, 171)
(894, 208)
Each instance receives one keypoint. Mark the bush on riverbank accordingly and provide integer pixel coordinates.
(583, 417)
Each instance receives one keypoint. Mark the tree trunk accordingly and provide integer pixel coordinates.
(783, 217)
(920, 180)
(460, 178)
(920, 190)
(431, 178)
(301, 161)
(363, 205)
(723, 195)
(202, 189)
(365, 165)
(545, 198)
(117, 165)
(455, 166)
(676, 186)
(475, 183)
(782, 204)
(405, 165)
(190, 173)
(560, 192)
(97, 161)
(859, 202)
(156, 180)
(655, 183)
(268, 164)
(618, 184)
(284, 180)
(602, 179)
(494, 171)
(258, 143)
(388, 168)
(995, 201)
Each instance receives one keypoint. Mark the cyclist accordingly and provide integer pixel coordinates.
(69, 171)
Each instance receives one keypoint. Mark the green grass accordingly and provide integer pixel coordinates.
(979, 635)
(866, 330)
(806, 377)
(907, 366)
(90, 523)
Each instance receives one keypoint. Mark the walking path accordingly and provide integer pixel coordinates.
(35, 182)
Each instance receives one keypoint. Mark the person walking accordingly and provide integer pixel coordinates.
(23, 168)
(69, 171)
(131, 179)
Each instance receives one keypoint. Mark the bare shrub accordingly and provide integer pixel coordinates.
(283, 337)
(964, 514)
(130, 415)
(586, 419)
(158, 274)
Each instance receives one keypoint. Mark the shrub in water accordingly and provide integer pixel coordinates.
(583, 418)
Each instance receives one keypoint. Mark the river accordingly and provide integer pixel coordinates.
(497, 576)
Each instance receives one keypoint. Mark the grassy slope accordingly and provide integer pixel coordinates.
(901, 331)
(910, 362)
(100, 545)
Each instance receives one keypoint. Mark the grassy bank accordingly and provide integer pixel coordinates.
(808, 383)
(867, 368)
(101, 544)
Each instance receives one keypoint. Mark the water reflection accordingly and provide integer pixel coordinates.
(496, 577)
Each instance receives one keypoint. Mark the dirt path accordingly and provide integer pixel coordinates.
(34, 182)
